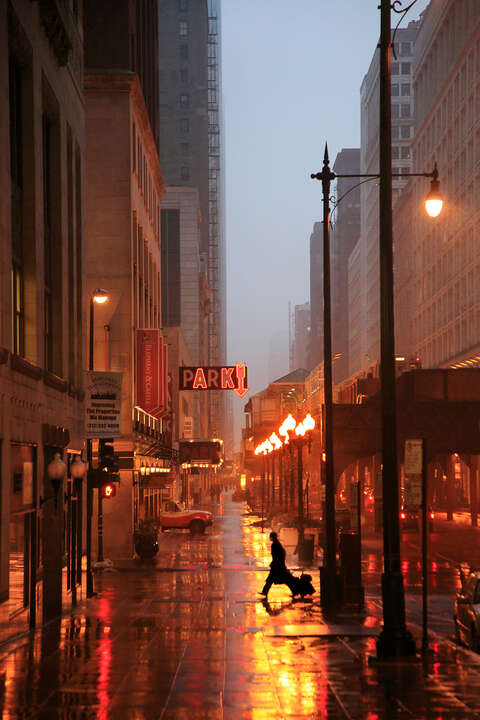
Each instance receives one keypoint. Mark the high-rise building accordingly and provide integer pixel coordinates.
(437, 265)
(402, 138)
(315, 355)
(345, 236)
(191, 146)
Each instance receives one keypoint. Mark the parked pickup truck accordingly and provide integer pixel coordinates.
(175, 515)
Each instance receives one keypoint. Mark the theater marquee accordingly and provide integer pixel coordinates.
(231, 377)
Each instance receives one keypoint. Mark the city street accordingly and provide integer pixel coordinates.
(188, 636)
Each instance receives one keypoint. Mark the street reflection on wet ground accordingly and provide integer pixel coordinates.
(188, 638)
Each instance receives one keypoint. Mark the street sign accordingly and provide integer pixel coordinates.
(230, 377)
(413, 457)
(103, 400)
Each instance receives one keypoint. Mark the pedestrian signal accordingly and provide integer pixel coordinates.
(109, 490)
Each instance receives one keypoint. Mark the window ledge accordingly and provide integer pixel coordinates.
(54, 381)
(25, 367)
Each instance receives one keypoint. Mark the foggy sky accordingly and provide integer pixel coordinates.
(291, 81)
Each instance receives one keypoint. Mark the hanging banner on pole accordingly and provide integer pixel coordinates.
(103, 404)
(151, 372)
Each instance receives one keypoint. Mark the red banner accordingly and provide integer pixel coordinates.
(152, 372)
(149, 356)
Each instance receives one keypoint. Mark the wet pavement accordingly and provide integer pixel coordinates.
(188, 638)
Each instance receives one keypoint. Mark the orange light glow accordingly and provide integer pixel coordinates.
(300, 430)
(308, 422)
(275, 440)
(288, 425)
(403, 516)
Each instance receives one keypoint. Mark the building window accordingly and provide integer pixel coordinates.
(395, 68)
(184, 75)
(183, 28)
(184, 100)
(184, 52)
(16, 175)
(405, 153)
(405, 48)
(183, 5)
(405, 110)
(406, 68)
(395, 111)
(185, 148)
(184, 125)
(395, 152)
(405, 89)
(47, 241)
(405, 132)
(404, 170)
(395, 132)
(395, 90)
(184, 173)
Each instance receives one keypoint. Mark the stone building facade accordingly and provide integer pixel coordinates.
(42, 318)
(124, 192)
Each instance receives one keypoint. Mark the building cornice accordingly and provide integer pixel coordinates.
(128, 82)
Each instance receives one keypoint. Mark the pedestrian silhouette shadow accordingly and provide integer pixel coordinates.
(277, 609)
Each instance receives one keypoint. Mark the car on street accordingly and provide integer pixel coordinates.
(411, 518)
(176, 516)
(466, 611)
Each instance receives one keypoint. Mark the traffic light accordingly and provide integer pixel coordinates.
(108, 490)
(107, 461)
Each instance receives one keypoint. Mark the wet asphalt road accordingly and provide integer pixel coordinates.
(187, 638)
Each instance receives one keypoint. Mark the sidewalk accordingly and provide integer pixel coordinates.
(188, 638)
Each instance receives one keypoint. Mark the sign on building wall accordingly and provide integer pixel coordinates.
(188, 426)
(151, 372)
(232, 377)
(103, 402)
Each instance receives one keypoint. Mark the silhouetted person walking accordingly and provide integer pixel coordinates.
(278, 570)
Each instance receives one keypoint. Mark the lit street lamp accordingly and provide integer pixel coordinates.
(98, 296)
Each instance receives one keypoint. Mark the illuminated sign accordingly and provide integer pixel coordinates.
(200, 452)
(108, 490)
(231, 377)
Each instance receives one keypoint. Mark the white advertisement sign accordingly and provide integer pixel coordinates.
(413, 457)
(103, 401)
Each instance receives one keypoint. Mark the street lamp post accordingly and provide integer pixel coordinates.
(98, 297)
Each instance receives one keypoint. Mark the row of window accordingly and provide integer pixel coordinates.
(145, 181)
(401, 132)
(146, 281)
(401, 68)
(54, 158)
(401, 152)
(402, 110)
(403, 89)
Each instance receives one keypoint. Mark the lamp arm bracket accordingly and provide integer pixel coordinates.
(397, 8)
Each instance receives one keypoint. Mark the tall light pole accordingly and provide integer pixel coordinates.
(394, 640)
(98, 297)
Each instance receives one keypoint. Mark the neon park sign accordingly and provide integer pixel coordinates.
(230, 377)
